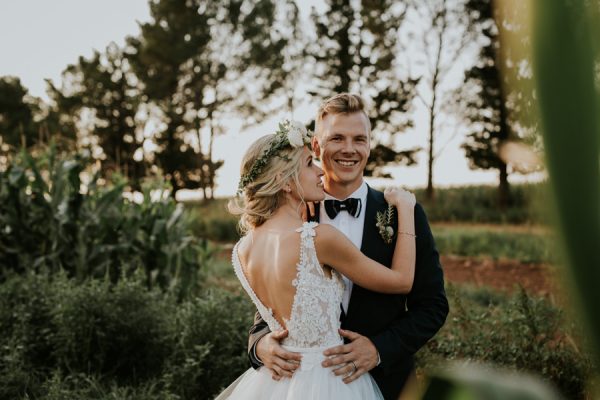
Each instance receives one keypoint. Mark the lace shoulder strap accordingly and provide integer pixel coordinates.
(308, 253)
(307, 232)
(265, 312)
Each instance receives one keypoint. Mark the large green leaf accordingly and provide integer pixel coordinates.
(568, 101)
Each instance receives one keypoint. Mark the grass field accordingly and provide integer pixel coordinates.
(525, 243)
(516, 242)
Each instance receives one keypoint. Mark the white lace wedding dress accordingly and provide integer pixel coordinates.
(313, 327)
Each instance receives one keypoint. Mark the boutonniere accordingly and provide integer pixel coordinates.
(384, 224)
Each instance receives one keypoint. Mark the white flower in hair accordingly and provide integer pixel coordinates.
(296, 132)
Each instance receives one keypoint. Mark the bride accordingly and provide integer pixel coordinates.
(291, 269)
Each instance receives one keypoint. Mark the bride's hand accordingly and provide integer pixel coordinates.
(402, 199)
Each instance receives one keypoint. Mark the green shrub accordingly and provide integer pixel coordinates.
(26, 343)
(211, 220)
(96, 339)
(121, 332)
(49, 224)
(84, 387)
(518, 332)
(483, 241)
(479, 204)
(212, 344)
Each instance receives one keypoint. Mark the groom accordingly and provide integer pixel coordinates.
(382, 332)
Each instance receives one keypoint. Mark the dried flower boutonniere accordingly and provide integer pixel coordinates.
(384, 224)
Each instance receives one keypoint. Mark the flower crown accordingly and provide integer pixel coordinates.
(290, 134)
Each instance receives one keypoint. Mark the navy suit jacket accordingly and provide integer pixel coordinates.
(398, 325)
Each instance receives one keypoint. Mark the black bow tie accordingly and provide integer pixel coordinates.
(352, 205)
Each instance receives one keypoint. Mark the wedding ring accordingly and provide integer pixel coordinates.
(355, 368)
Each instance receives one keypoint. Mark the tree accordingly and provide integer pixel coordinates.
(102, 92)
(356, 49)
(445, 35)
(489, 106)
(201, 61)
(17, 108)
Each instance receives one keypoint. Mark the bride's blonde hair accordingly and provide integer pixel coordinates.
(260, 198)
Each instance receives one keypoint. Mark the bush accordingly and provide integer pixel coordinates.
(101, 340)
(26, 343)
(518, 332)
(479, 204)
(211, 220)
(49, 224)
(96, 340)
(122, 332)
(212, 345)
(84, 387)
(483, 241)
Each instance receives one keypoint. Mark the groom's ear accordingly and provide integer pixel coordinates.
(316, 147)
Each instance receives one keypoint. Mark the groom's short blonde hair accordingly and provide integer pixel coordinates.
(341, 103)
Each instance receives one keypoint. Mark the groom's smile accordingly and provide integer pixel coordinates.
(345, 163)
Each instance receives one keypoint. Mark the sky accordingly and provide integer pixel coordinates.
(39, 38)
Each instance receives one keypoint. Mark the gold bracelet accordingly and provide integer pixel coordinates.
(407, 233)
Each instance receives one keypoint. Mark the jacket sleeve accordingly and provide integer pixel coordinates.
(257, 331)
(427, 306)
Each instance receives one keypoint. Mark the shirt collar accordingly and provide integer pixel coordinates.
(360, 193)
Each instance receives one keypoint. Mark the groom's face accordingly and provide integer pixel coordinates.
(343, 145)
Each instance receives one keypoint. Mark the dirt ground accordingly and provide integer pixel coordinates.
(504, 275)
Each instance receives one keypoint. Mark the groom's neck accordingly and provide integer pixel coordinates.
(340, 190)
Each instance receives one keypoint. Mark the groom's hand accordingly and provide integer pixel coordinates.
(309, 211)
(281, 362)
(353, 359)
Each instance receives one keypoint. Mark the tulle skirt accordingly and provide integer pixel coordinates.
(310, 382)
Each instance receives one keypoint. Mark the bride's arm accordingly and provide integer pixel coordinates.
(336, 250)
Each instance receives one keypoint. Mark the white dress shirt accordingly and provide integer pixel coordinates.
(350, 226)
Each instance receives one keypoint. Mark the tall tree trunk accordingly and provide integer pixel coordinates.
(345, 56)
(211, 168)
(435, 80)
(201, 157)
(430, 191)
(504, 187)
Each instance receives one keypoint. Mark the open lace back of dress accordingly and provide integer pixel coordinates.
(314, 315)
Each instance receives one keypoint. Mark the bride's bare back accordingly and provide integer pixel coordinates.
(269, 259)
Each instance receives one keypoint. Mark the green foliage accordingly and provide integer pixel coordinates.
(194, 59)
(495, 243)
(488, 104)
(101, 340)
(566, 54)
(211, 220)
(211, 349)
(519, 332)
(17, 126)
(472, 204)
(48, 224)
(479, 204)
(103, 85)
(104, 341)
(120, 332)
(81, 386)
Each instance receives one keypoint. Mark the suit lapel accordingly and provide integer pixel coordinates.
(369, 233)
(369, 228)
